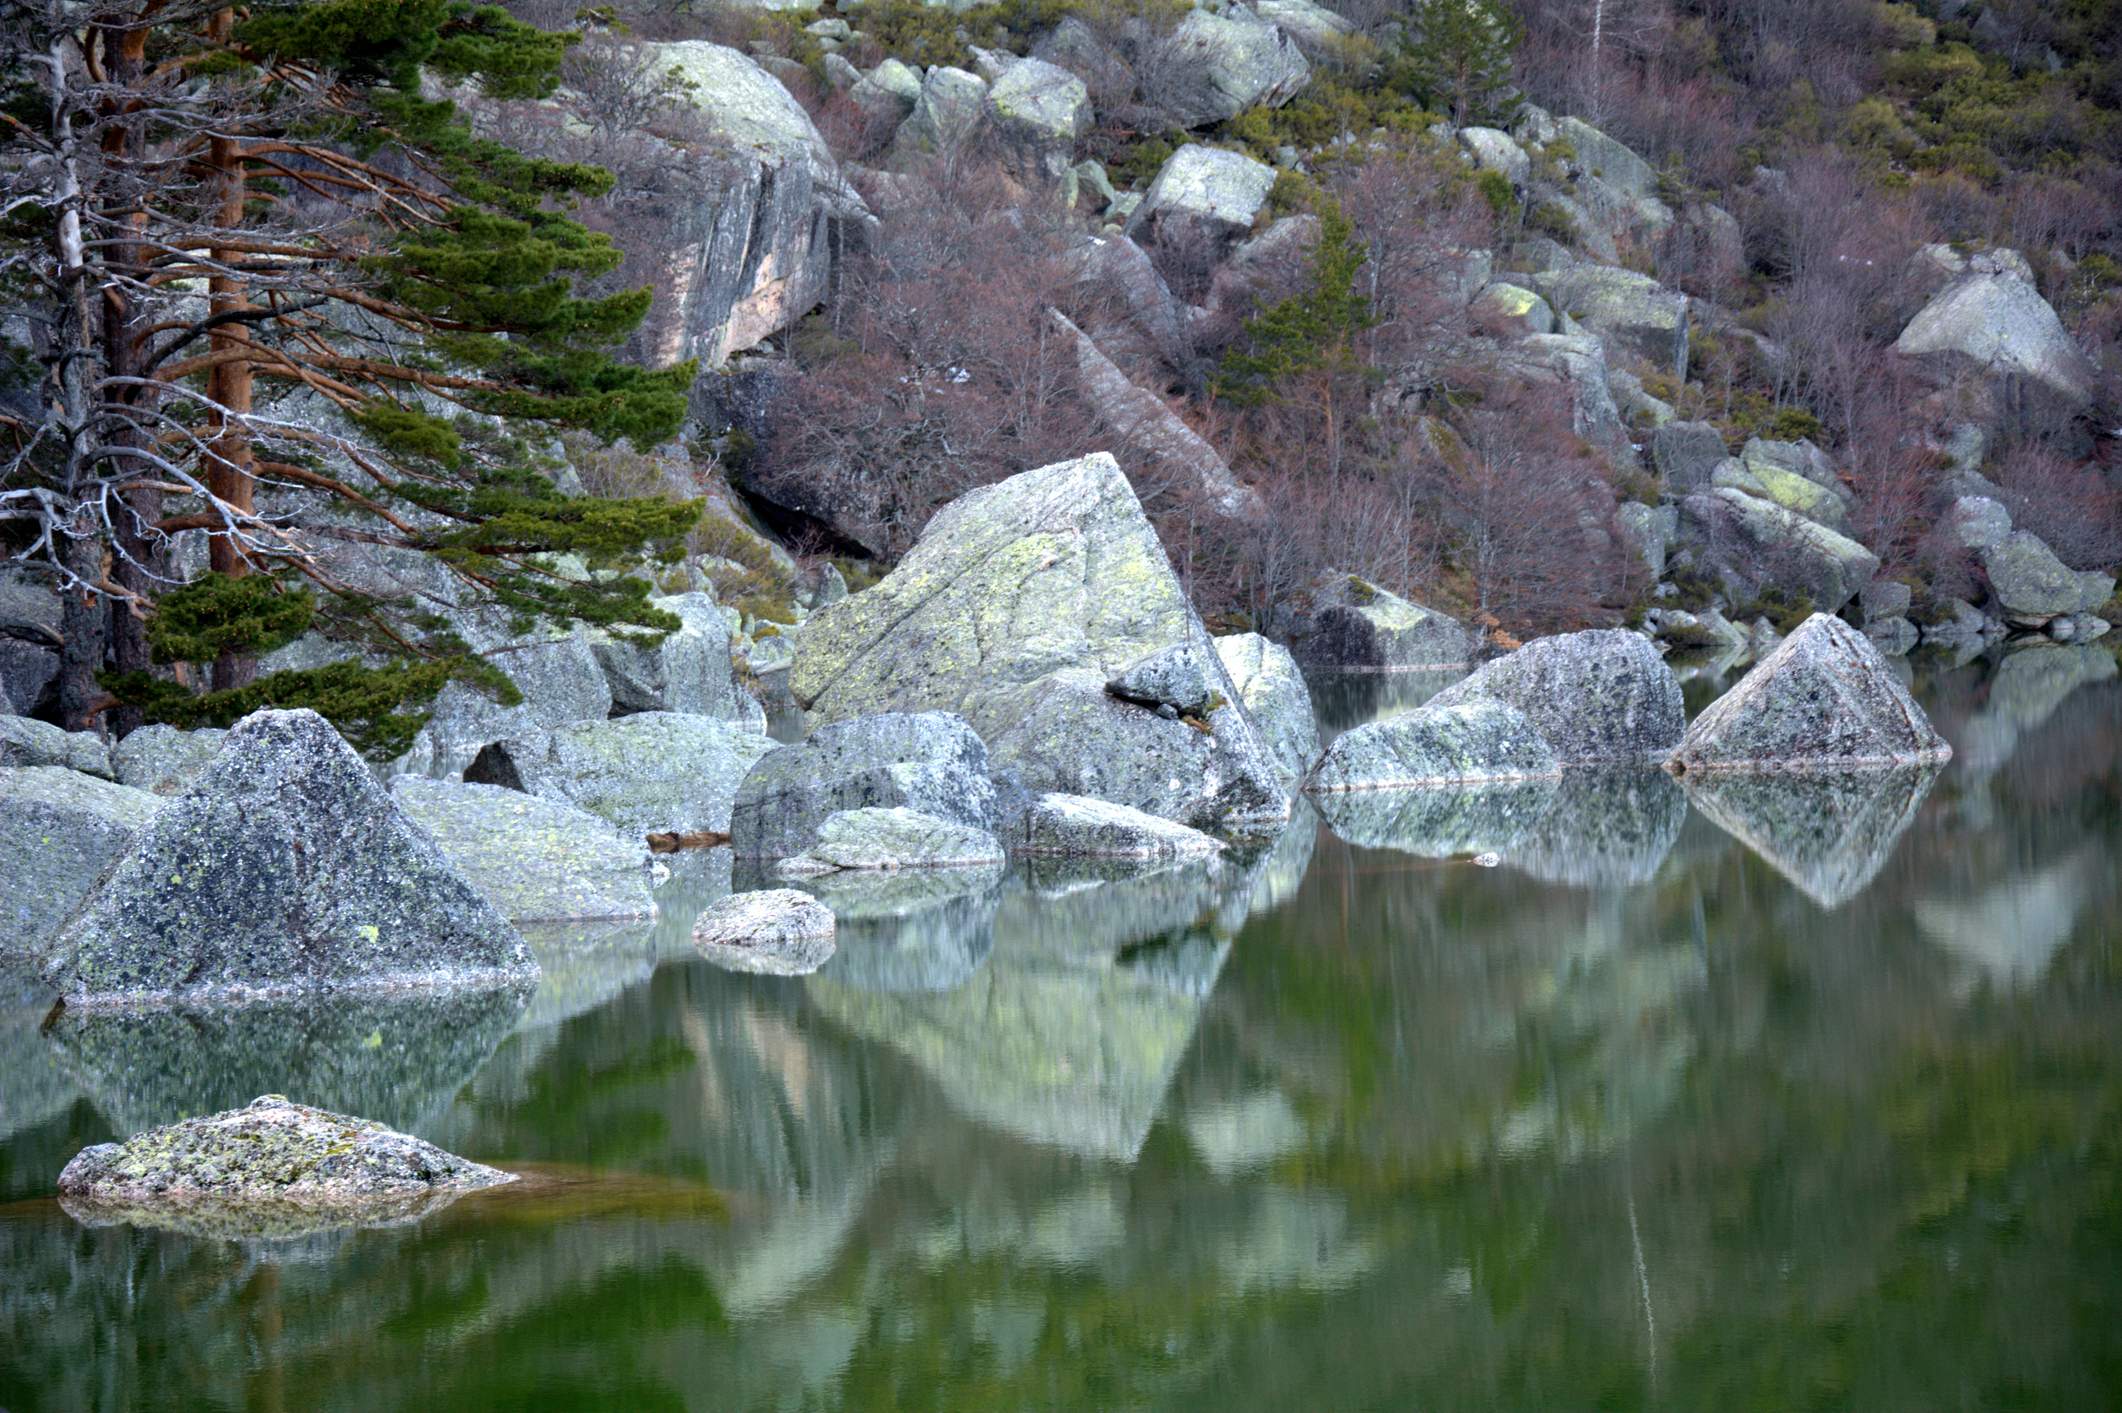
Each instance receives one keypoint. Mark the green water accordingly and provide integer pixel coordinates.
(1815, 1103)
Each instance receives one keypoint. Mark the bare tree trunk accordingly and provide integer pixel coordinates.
(230, 457)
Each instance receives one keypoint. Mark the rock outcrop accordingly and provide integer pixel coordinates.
(1213, 66)
(1353, 625)
(1599, 698)
(284, 867)
(689, 671)
(892, 837)
(1274, 695)
(61, 830)
(1823, 700)
(651, 773)
(1039, 106)
(930, 763)
(751, 247)
(537, 860)
(272, 1168)
(1139, 420)
(1019, 604)
(1632, 312)
(1478, 740)
(1756, 543)
(1996, 324)
(1070, 826)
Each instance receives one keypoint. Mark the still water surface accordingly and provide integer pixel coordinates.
(1775, 1100)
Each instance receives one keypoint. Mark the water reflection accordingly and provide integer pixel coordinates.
(1440, 821)
(394, 1059)
(1829, 833)
(1651, 1117)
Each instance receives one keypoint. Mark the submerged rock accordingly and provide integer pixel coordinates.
(1476, 740)
(1599, 698)
(929, 762)
(62, 829)
(893, 837)
(163, 760)
(1071, 826)
(534, 859)
(271, 1168)
(1353, 625)
(1828, 833)
(1021, 601)
(651, 773)
(283, 867)
(1823, 700)
(775, 932)
(1275, 696)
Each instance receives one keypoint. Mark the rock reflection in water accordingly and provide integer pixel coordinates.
(394, 1059)
(34, 1086)
(1605, 829)
(1344, 700)
(912, 930)
(1828, 833)
(2030, 683)
(2008, 933)
(1436, 822)
(1070, 1033)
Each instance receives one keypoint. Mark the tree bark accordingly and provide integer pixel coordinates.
(231, 465)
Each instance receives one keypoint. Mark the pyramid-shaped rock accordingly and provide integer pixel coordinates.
(283, 867)
(1823, 700)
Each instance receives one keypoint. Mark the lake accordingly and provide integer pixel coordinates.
(1780, 1097)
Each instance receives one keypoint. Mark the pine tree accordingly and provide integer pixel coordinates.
(265, 261)
(1459, 61)
(1308, 332)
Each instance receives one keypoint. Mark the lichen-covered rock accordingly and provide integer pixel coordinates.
(1604, 697)
(1514, 309)
(892, 837)
(1040, 104)
(1997, 324)
(949, 110)
(689, 671)
(265, 1167)
(1213, 67)
(162, 760)
(283, 867)
(535, 859)
(1182, 677)
(1274, 695)
(1021, 601)
(1782, 486)
(1353, 625)
(1072, 826)
(651, 773)
(776, 931)
(1824, 700)
(1615, 189)
(1494, 150)
(1633, 312)
(2032, 584)
(1576, 365)
(1480, 739)
(1756, 542)
(1204, 189)
(25, 742)
(932, 763)
(1829, 833)
(555, 669)
(59, 830)
(1317, 29)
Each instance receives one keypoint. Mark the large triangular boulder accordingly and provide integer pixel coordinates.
(1021, 602)
(284, 867)
(1825, 699)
